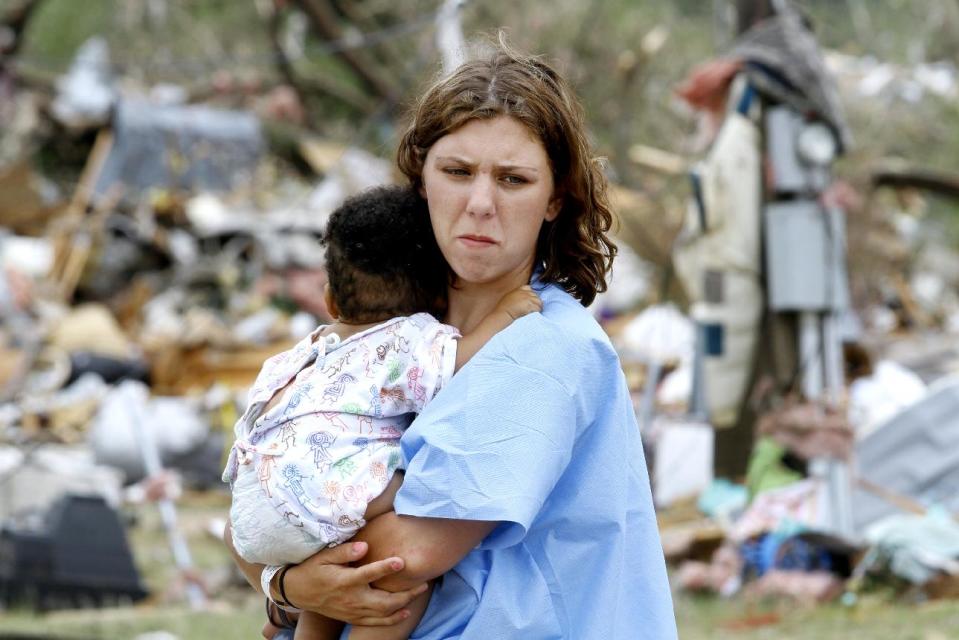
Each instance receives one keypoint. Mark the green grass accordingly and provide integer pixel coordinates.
(125, 624)
(875, 618)
(235, 612)
(699, 619)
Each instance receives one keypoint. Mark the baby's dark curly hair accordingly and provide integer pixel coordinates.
(382, 258)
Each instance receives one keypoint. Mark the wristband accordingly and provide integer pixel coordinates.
(282, 586)
(266, 576)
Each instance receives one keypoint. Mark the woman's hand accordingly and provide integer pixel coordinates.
(326, 584)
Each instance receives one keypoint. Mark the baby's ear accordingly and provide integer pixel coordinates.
(331, 307)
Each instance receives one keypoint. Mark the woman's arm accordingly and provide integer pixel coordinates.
(429, 546)
(338, 590)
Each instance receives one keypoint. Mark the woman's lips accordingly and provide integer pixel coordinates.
(477, 242)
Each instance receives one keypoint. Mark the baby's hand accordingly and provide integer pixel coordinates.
(520, 302)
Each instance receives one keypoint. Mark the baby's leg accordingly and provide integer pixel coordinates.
(384, 502)
(398, 631)
(313, 626)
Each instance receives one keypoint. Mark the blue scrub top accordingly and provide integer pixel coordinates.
(538, 432)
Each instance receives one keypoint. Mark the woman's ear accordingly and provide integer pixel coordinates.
(553, 208)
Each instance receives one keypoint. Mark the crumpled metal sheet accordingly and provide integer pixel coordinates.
(189, 147)
(915, 454)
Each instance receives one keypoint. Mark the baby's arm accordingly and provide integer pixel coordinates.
(512, 306)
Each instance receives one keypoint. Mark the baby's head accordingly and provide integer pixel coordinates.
(382, 259)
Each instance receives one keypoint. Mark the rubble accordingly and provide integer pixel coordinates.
(871, 78)
(146, 297)
(139, 303)
(86, 93)
(913, 454)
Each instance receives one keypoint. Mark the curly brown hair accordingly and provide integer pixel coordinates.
(574, 249)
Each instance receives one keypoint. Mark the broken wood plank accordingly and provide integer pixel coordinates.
(946, 184)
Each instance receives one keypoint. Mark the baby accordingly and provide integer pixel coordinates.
(318, 445)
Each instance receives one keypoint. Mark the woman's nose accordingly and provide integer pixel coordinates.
(481, 198)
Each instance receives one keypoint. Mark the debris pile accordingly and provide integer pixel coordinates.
(139, 298)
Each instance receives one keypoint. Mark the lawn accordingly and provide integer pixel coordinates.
(235, 613)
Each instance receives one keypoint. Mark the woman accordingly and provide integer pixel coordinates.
(526, 486)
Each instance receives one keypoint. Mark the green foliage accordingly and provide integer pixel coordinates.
(602, 45)
(60, 26)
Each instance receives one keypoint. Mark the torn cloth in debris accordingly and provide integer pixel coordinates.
(785, 45)
(808, 431)
(918, 547)
(789, 509)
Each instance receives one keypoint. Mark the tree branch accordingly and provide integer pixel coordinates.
(325, 22)
(15, 21)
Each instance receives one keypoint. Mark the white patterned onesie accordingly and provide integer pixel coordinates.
(303, 472)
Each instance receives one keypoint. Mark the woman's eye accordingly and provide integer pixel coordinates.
(456, 171)
(514, 179)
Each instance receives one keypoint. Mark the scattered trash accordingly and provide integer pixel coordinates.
(916, 548)
(684, 460)
(805, 587)
(914, 454)
(180, 147)
(86, 94)
(76, 555)
(875, 399)
(174, 423)
(723, 500)
(143, 300)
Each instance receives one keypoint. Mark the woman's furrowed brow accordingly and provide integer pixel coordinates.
(517, 167)
(456, 159)
(501, 167)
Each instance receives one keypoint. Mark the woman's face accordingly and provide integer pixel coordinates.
(489, 187)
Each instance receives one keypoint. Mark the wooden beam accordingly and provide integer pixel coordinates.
(946, 184)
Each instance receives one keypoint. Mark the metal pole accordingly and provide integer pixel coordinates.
(810, 354)
(181, 552)
(647, 407)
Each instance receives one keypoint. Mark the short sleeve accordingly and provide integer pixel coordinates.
(491, 447)
(431, 364)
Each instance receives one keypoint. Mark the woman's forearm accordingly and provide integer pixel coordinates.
(429, 546)
(335, 589)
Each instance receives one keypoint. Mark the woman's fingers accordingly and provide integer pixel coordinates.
(373, 571)
(342, 553)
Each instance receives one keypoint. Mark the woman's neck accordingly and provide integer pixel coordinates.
(469, 303)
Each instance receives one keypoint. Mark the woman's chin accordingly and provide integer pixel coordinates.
(473, 271)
